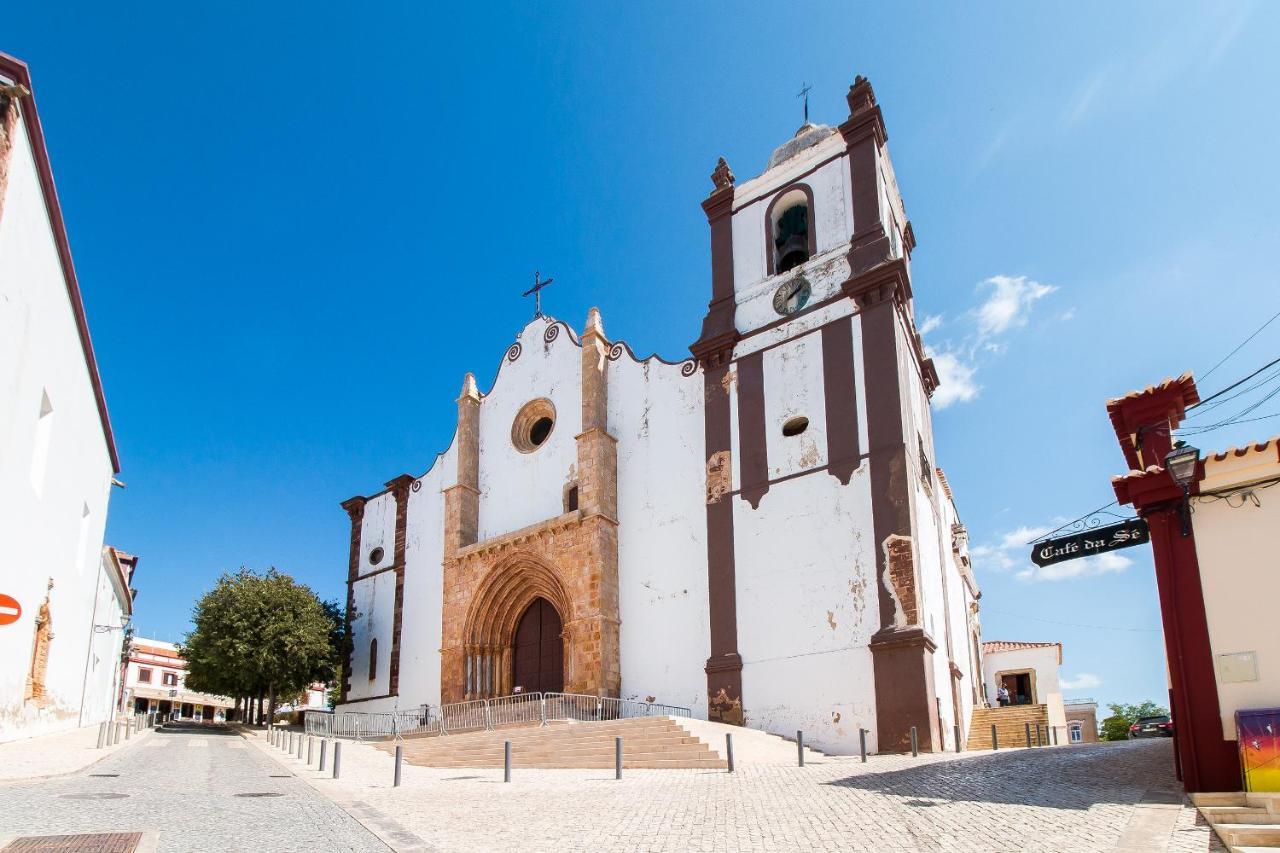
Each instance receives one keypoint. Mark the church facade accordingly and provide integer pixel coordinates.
(759, 532)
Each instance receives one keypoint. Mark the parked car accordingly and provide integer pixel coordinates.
(1158, 726)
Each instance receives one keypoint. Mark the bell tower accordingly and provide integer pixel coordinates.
(813, 369)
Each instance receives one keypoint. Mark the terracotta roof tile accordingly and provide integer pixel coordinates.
(991, 646)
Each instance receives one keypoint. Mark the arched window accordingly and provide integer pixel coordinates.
(789, 220)
(373, 658)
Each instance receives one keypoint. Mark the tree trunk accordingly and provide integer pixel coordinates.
(271, 708)
(235, 713)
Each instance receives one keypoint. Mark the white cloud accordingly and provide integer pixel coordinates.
(1099, 564)
(1083, 681)
(930, 323)
(1009, 304)
(1011, 552)
(955, 380)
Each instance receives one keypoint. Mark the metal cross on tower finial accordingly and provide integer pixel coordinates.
(536, 292)
(804, 93)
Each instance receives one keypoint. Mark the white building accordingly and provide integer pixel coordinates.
(758, 533)
(57, 454)
(155, 683)
(1030, 672)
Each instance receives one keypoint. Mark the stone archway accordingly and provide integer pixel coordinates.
(507, 594)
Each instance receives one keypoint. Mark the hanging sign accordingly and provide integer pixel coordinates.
(10, 609)
(1100, 540)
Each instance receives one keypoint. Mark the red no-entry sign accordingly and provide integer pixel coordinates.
(10, 609)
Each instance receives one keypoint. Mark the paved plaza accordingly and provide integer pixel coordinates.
(1112, 797)
(182, 790)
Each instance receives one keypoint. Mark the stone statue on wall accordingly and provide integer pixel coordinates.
(35, 691)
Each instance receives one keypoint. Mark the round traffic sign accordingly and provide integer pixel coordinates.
(10, 609)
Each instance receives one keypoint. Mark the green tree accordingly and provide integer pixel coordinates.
(262, 636)
(1116, 727)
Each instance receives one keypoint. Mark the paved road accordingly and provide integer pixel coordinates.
(182, 785)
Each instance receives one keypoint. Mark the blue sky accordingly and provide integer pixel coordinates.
(297, 227)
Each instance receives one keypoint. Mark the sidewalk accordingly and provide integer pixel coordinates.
(56, 754)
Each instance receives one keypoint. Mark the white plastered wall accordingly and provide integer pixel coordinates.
(805, 569)
(51, 519)
(374, 599)
(657, 416)
(1235, 546)
(519, 489)
(420, 637)
(1044, 661)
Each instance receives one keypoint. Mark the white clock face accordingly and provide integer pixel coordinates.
(791, 295)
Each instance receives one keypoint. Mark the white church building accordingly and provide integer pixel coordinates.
(760, 532)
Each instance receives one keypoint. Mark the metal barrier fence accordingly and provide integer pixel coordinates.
(484, 715)
(359, 726)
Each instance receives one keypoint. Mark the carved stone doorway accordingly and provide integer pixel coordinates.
(539, 649)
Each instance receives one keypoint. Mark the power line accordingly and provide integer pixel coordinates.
(1234, 385)
(1216, 403)
(1238, 416)
(1070, 624)
(1237, 349)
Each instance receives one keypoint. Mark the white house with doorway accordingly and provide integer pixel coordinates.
(62, 608)
(1030, 672)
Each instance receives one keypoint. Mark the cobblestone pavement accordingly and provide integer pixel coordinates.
(55, 754)
(1113, 797)
(181, 785)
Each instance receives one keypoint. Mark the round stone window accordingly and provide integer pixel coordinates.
(533, 425)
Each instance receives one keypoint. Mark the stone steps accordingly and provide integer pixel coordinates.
(647, 742)
(1245, 822)
(1011, 725)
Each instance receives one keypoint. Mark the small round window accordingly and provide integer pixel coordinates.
(533, 425)
(795, 426)
(375, 556)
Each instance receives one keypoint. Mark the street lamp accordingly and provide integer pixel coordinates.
(1181, 464)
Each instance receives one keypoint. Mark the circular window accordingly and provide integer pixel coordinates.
(533, 425)
(795, 426)
(375, 556)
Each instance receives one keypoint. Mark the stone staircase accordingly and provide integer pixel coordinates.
(647, 742)
(1011, 725)
(1246, 823)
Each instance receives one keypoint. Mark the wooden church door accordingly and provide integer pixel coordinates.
(539, 651)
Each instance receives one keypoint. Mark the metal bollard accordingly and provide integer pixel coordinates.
(291, 743)
(800, 747)
(728, 749)
(115, 733)
(995, 738)
(617, 758)
(506, 762)
(300, 739)
(310, 748)
(1039, 736)
(1054, 732)
(1028, 725)
(915, 742)
(128, 729)
(337, 758)
(102, 734)
(957, 733)
(862, 744)
(324, 746)
(400, 757)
